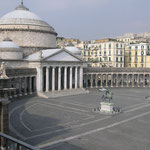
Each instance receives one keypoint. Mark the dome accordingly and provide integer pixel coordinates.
(27, 30)
(10, 50)
(74, 50)
(7, 43)
(22, 15)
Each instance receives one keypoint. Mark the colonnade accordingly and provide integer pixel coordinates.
(22, 86)
(116, 80)
(56, 78)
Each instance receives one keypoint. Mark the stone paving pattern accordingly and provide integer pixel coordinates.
(68, 123)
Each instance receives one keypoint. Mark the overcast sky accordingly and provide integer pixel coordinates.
(89, 19)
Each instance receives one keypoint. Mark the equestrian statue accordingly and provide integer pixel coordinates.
(108, 95)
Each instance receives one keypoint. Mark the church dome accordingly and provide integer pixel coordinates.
(27, 30)
(10, 50)
(22, 15)
(7, 43)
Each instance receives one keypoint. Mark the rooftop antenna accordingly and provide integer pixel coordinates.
(21, 2)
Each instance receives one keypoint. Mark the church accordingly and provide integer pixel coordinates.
(30, 59)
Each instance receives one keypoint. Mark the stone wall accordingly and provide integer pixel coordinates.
(30, 38)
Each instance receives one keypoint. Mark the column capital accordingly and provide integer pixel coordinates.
(60, 66)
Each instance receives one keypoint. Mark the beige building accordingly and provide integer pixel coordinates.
(105, 54)
(137, 55)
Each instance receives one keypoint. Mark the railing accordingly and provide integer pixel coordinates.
(9, 143)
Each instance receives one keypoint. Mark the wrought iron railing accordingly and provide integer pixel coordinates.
(9, 143)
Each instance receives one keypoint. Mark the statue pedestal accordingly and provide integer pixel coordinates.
(106, 107)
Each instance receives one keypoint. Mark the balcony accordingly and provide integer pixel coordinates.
(10, 143)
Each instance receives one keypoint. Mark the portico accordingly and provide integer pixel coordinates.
(57, 78)
(116, 77)
(59, 71)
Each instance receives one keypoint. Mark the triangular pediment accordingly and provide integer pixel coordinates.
(62, 56)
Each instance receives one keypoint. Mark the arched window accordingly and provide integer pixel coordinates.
(142, 53)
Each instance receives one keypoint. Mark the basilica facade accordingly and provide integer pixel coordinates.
(30, 59)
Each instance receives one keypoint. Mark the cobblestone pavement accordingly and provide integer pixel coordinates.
(68, 123)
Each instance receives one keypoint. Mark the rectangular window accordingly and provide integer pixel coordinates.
(109, 52)
(117, 52)
(121, 59)
(100, 53)
(116, 59)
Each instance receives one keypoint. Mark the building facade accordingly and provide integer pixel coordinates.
(105, 54)
(137, 55)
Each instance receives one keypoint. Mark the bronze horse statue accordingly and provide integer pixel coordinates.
(108, 95)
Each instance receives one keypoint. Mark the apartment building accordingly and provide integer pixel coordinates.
(137, 55)
(104, 53)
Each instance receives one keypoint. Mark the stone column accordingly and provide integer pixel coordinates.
(53, 78)
(47, 79)
(127, 80)
(10, 94)
(138, 80)
(25, 86)
(70, 78)
(59, 78)
(65, 78)
(96, 80)
(101, 80)
(81, 77)
(87, 80)
(122, 81)
(39, 80)
(117, 82)
(91, 80)
(15, 84)
(30, 85)
(20, 87)
(132, 80)
(112, 80)
(76, 77)
(4, 120)
(143, 80)
(106, 80)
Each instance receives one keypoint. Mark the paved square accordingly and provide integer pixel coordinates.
(68, 123)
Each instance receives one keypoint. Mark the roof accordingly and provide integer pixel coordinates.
(8, 44)
(21, 12)
(22, 15)
(53, 55)
(45, 53)
(73, 49)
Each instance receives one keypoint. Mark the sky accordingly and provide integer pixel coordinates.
(89, 19)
